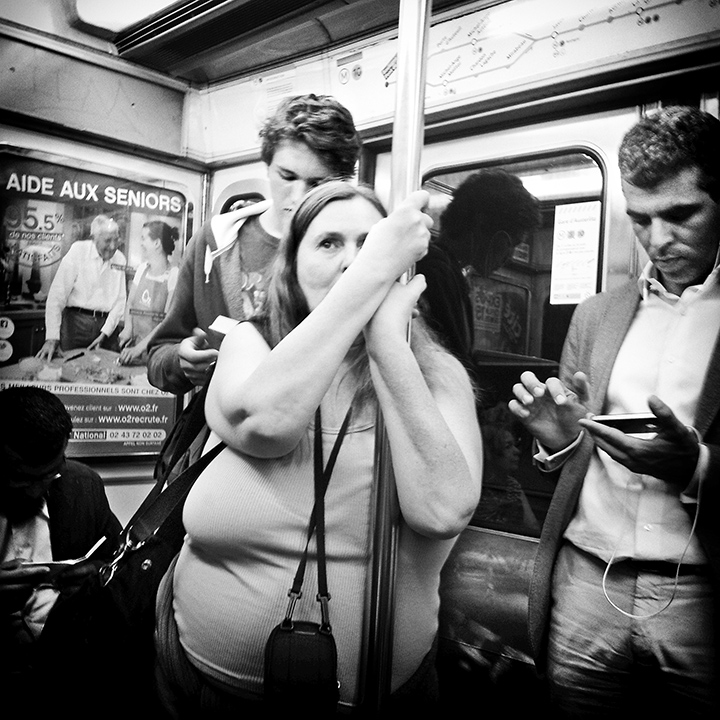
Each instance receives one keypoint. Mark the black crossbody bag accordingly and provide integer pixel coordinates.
(301, 656)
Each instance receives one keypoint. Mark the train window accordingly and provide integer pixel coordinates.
(526, 234)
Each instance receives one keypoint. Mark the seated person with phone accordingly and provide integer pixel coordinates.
(623, 599)
(55, 520)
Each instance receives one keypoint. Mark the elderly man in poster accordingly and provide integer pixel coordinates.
(87, 296)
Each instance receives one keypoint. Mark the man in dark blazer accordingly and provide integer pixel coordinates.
(51, 508)
(623, 609)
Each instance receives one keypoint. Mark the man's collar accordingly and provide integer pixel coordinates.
(648, 282)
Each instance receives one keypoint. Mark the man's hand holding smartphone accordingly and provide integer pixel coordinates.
(658, 444)
(629, 423)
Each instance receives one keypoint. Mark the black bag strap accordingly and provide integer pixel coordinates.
(162, 509)
(195, 422)
(145, 524)
(187, 427)
(317, 522)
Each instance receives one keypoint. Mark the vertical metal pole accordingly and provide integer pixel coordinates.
(409, 121)
(408, 127)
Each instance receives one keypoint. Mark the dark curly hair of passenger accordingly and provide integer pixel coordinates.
(666, 142)
(485, 203)
(33, 422)
(319, 121)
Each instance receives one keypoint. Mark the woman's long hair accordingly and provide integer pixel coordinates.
(286, 307)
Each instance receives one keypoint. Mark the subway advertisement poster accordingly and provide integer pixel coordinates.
(45, 209)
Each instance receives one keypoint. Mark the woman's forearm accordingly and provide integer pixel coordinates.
(435, 445)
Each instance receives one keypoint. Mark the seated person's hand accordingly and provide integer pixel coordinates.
(75, 575)
(17, 582)
(197, 357)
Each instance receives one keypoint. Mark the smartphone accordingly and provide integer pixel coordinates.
(55, 566)
(629, 422)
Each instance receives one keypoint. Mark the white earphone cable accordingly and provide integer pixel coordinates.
(677, 571)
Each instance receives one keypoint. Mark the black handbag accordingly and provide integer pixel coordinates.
(301, 656)
(100, 636)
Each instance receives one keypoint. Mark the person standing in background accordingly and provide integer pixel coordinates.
(490, 214)
(86, 300)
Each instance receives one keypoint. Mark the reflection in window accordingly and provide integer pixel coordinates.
(520, 246)
(504, 504)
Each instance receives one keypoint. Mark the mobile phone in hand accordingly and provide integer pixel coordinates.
(630, 423)
(56, 566)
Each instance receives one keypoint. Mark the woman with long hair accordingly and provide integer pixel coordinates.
(329, 351)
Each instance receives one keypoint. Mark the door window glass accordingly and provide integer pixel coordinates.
(517, 244)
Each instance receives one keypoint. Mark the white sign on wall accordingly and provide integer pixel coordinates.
(576, 242)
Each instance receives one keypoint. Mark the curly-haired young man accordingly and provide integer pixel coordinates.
(307, 139)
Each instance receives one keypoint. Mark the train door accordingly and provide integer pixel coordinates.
(571, 241)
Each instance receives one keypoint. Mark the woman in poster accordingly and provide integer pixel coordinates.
(151, 291)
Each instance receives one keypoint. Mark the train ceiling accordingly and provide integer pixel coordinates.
(209, 41)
